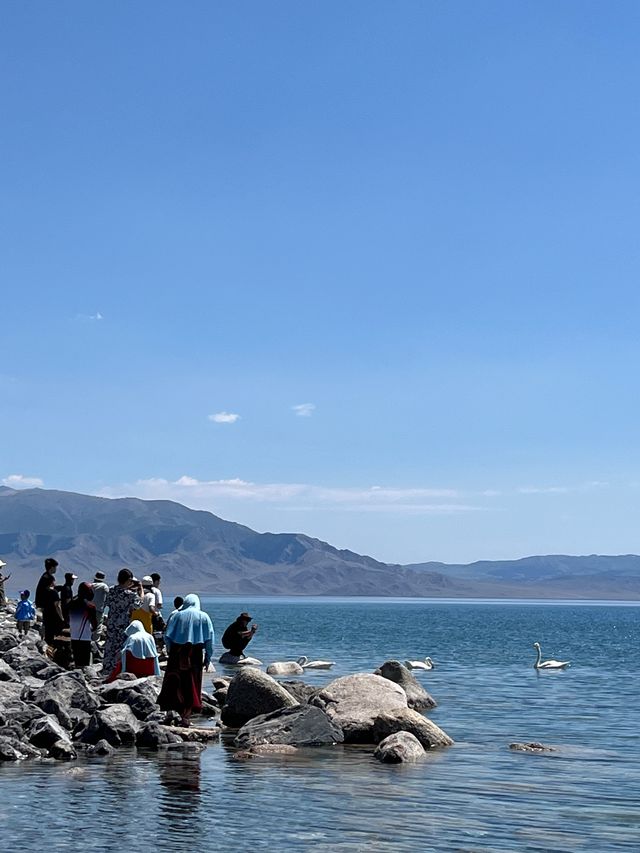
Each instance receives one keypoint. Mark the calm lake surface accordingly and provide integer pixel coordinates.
(474, 796)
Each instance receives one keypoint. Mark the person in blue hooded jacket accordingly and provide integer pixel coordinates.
(189, 640)
(25, 613)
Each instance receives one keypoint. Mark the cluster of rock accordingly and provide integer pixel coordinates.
(378, 709)
(47, 712)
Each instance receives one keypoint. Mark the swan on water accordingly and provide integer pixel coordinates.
(305, 663)
(228, 659)
(285, 667)
(548, 664)
(427, 663)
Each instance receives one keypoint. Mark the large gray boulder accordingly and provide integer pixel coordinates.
(28, 661)
(8, 640)
(354, 702)
(12, 749)
(50, 671)
(16, 712)
(154, 736)
(251, 693)
(10, 691)
(299, 690)
(13, 729)
(302, 725)
(65, 691)
(116, 724)
(45, 731)
(417, 696)
(399, 748)
(7, 673)
(408, 720)
(63, 750)
(140, 695)
(30, 682)
(13, 708)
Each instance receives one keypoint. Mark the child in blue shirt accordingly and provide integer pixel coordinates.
(25, 613)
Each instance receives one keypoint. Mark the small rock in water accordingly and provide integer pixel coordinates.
(243, 755)
(399, 748)
(62, 750)
(153, 736)
(274, 749)
(186, 748)
(103, 747)
(532, 746)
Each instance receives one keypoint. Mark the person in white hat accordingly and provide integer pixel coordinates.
(3, 578)
(100, 592)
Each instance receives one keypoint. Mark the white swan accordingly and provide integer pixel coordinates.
(228, 659)
(427, 663)
(548, 664)
(285, 667)
(305, 663)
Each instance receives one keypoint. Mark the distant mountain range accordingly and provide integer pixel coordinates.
(196, 550)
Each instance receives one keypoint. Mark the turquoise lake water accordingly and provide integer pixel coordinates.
(475, 796)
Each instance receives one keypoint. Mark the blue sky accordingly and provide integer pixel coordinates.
(417, 220)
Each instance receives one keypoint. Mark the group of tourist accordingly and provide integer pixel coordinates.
(136, 637)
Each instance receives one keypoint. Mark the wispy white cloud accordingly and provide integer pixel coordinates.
(224, 418)
(543, 490)
(304, 410)
(222, 495)
(209, 494)
(561, 490)
(90, 317)
(417, 509)
(19, 481)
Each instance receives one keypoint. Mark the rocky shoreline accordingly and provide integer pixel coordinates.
(48, 713)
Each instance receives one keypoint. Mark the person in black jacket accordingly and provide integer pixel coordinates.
(52, 620)
(238, 635)
(50, 566)
(66, 595)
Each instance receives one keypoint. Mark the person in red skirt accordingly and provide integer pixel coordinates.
(189, 640)
(139, 653)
